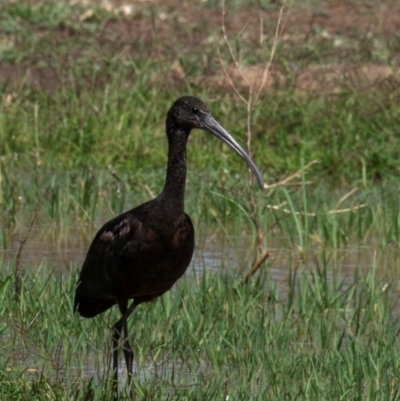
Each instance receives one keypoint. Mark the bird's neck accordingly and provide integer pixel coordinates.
(173, 193)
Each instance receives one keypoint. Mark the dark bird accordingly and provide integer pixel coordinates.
(140, 254)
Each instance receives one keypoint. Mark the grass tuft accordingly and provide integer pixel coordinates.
(315, 336)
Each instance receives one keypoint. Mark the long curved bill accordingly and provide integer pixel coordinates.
(213, 127)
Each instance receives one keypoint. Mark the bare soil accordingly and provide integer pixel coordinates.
(173, 30)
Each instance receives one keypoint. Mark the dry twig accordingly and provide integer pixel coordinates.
(101, 192)
(256, 267)
(18, 268)
(250, 100)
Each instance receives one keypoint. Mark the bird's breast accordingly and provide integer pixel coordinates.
(157, 258)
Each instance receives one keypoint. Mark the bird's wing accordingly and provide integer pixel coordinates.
(98, 277)
(129, 259)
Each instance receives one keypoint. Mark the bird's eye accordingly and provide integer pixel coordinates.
(195, 110)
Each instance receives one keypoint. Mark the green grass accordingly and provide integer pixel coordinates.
(314, 337)
(82, 137)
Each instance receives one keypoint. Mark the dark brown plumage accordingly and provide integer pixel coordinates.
(140, 254)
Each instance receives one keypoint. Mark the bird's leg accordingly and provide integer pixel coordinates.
(128, 352)
(115, 342)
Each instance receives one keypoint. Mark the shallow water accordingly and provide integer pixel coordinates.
(65, 251)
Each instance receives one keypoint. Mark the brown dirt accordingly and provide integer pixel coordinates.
(336, 16)
(179, 28)
(322, 78)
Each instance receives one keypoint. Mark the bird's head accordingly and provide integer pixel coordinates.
(188, 112)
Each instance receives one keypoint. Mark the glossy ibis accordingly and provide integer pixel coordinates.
(140, 254)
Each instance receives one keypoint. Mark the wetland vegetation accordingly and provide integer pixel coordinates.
(84, 92)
